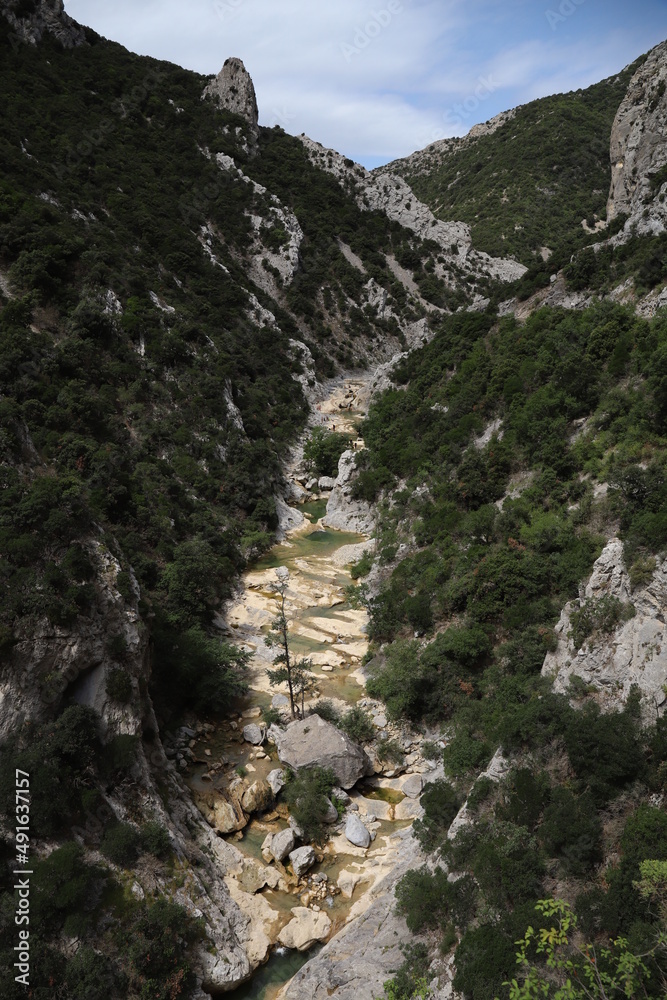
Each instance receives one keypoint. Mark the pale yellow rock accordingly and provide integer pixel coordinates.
(304, 929)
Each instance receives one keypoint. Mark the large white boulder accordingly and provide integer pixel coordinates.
(313, 742)
(305, 928)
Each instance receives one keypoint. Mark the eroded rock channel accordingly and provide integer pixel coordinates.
(297, 895)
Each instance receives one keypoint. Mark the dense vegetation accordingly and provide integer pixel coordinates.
(530, 183)
(500, 528)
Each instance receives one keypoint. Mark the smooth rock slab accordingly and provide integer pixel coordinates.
(356, 832)
(280, 701)
(301, 860)
(313, 742)
(304, 929)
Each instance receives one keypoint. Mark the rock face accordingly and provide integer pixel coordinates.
(638, 149)
(388, 193)
(343, 511)
(304, 929)
(48, 17)
(234, 91)
(360, 957)
(313, 742)
(356, 832)
(634, 653)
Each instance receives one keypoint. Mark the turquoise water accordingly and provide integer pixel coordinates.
(268, 979)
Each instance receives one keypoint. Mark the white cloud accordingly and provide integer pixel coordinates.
(379, 78)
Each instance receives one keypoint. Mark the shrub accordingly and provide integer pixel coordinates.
(598, 615)
(307, 793)
(390, 750)
(155, 839)
(120, 844)
(441, 804)
(358, 725)
(323, 449)
(604, 750)
(485, 959)
(571, 831)
(424, 897)
(89, 976)
(63, 886)
(328, 711)
(119, 685)
(523, 797)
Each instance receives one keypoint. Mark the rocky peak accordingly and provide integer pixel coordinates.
(638, 151)
(32, 19)
(234, 91)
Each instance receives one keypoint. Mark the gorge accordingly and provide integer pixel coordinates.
(195, 311)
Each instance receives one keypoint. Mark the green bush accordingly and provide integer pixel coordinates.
(571, 831)
(604, 750)
(485, 960)
(358, 725)
(441, 803)
(120, 844)
(63, 886)
(155, 839)
(424, 898)
(323, 449)
(523, 797)
(119, 685)
(307, 793)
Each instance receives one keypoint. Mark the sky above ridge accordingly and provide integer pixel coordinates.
(377, 79)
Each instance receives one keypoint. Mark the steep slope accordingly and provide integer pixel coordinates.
(527, 180)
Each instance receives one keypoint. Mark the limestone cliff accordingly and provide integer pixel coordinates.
(634, 652)
(234, 91)
(32, 20)
(638, 150)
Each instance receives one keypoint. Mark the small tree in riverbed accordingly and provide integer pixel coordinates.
(296, 673)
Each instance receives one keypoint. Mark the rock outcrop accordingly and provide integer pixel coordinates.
(343, 511)
(313, 742)
(638, 149)
(234, 91)
(634, 653)
(304, 929)
(388, 193)
(32, 21)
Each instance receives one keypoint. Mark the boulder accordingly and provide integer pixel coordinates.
(258, 797)
(313, 742)
(331, 814)
(219, 812)
(356, 832)
(412, 786)
(282, 844)
(301, 860)
(276, 780)
(304, 929)
(254, 734)
(280, 701)
(326, 482)
(341, 795)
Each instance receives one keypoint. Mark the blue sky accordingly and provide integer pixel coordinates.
(377, 79)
